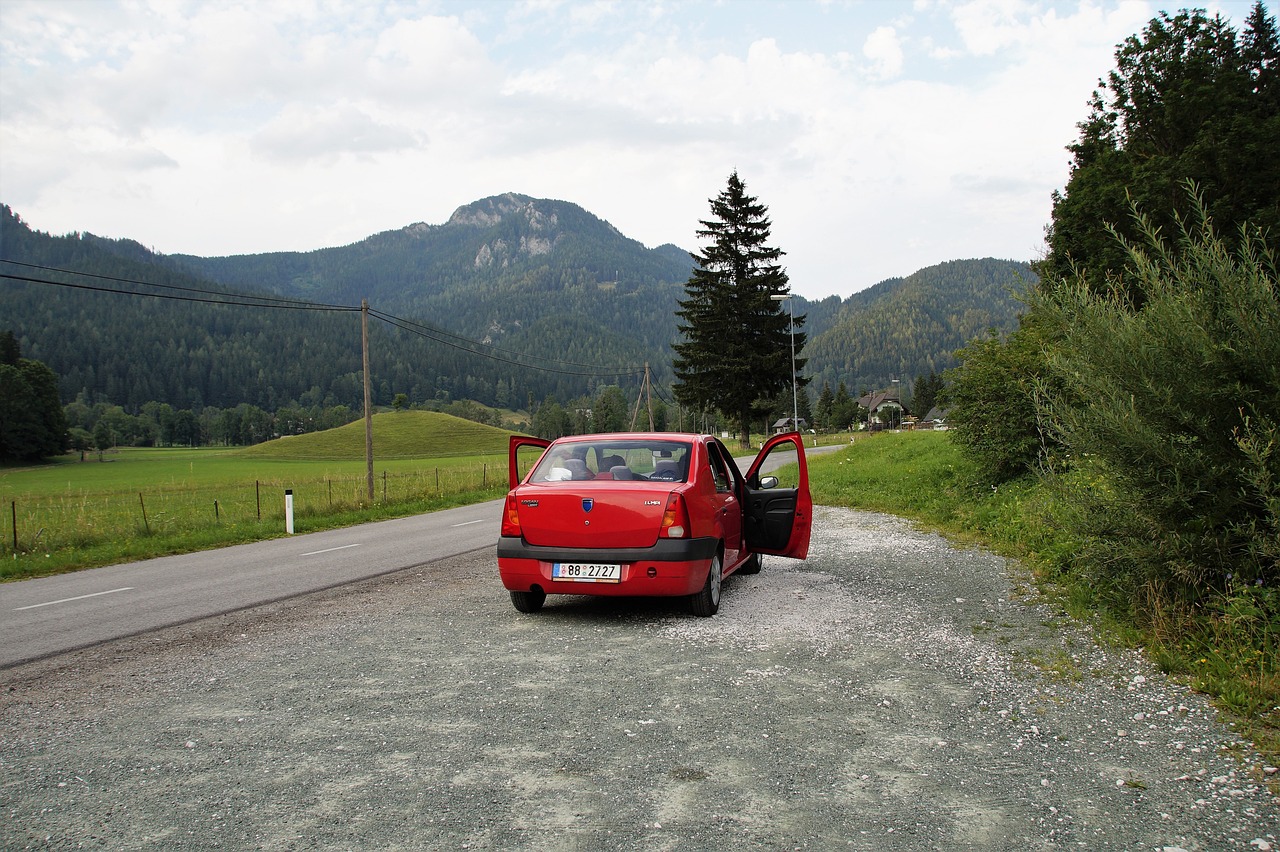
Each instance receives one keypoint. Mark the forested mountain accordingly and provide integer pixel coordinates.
(542, 277)
(542, 282)
(907, 327)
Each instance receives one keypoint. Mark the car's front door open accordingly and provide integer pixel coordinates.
(514, 474)
(779, 520)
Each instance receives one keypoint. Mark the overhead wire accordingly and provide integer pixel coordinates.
(432, 333)
(258, 301)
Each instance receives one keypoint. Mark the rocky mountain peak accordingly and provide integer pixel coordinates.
(490, 211)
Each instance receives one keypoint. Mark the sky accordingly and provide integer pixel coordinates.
(884, 136)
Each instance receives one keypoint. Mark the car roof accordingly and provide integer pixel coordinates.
(633, 436)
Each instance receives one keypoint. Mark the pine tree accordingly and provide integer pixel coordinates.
(736, 352)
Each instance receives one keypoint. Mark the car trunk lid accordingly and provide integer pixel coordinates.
(586, 515)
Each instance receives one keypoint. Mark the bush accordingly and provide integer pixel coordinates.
(1181, 422)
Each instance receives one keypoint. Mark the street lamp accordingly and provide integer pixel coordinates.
(795, 393)
(898, 399)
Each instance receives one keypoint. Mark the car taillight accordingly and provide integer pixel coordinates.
(675, 520)
(511, 518)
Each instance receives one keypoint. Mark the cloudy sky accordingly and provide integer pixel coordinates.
(883, 135)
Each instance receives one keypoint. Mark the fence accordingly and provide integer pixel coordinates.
(79, 520)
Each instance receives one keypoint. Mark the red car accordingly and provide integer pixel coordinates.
(655, 513)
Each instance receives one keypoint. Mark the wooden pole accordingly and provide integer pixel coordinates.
(368, 398)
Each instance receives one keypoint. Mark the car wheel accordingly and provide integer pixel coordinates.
(752, 565)
(706, 602)
(531, 601)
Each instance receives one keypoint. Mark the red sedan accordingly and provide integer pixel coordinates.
(655, 513)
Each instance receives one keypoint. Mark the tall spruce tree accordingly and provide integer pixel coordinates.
(736, 352)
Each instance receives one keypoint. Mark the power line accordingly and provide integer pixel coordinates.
(437, 335)
(284, 302)
(426, 332)
(173, 297)
(430, 332)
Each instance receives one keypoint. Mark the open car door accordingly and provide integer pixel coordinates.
(513, 461)
(778, 519)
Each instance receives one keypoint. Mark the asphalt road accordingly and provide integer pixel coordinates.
(51, 615)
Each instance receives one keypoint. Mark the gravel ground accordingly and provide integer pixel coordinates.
(890, 693)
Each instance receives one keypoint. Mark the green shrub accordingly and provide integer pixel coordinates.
(1178, 431)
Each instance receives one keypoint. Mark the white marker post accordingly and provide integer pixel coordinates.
(288, 511)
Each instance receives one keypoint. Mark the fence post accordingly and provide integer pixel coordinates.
(217, 516)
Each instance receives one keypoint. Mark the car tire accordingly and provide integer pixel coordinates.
(531, 601)
(706, 602)
(752, 565)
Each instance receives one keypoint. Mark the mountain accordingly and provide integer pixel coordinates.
(522, 280)
(907, 327)
(509, 270)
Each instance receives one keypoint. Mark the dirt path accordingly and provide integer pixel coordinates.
(891, 693)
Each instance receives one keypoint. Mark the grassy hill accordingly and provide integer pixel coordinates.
(402, 434)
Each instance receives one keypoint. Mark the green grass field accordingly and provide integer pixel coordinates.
(137, 503)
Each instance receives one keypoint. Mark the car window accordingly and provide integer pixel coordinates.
(782, 466)
(719, 471)
(616, 459)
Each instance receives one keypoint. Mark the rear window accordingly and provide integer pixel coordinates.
(616, 459)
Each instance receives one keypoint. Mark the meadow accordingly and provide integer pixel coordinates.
(138, 503)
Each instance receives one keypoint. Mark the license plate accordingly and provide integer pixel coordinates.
(586, 572)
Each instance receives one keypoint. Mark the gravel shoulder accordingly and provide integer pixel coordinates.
(892, 692)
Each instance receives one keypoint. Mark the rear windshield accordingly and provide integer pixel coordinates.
(619, 459)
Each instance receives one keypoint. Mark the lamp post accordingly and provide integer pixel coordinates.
(897, 397)
(795, 393)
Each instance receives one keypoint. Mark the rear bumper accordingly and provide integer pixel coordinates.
(669, 568)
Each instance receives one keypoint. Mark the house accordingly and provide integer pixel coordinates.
(885, 410)
(935, 419)
(784, 425)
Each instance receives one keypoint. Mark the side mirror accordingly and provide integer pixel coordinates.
(768, 482)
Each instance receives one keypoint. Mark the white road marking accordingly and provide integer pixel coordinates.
(332, 549)
(76, 598)
(468, 523)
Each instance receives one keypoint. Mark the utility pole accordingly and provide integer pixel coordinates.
(646, 392)
(368, 398)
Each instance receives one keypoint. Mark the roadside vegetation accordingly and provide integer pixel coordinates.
(1226, 646)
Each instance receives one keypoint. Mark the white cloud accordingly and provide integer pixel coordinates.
(884, 137)
(884, 50)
